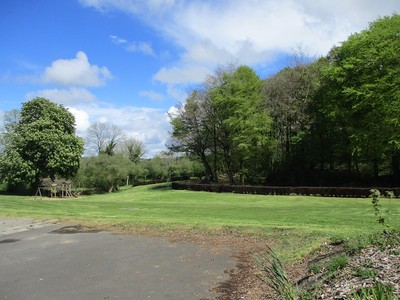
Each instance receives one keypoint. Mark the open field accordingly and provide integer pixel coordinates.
(295, 227)
(297, 223)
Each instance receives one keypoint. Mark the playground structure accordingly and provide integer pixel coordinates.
(55, 189)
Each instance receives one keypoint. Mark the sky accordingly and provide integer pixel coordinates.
(131, 62)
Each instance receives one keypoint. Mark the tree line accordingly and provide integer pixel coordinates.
(331, 120)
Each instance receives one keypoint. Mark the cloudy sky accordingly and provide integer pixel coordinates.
(129, 62)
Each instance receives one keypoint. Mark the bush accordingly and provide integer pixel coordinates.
(104, 173)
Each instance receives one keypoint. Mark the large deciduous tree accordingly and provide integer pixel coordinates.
(289, 95)
(132, 148)
(225, 125)
(241, 119)
(192, 131)
(41, 144)
(104, 138)
(10, 121)
(364, 71)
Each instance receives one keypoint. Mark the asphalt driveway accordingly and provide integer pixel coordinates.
(56, 261)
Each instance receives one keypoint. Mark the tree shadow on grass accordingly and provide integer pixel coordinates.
(161, 187)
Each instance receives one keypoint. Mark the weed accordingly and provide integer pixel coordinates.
(368, 264)
(366, 273)
(275, 275)
(377, 292)
(383, 217)
(337, 263)
(316, 268)
(337, 240)
(380, 239)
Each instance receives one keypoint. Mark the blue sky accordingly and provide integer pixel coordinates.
(129, 62)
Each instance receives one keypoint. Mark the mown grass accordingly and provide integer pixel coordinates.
(297, 222)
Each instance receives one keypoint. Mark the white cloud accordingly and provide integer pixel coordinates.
(76, 72)
(117, 40)
(252, 32)
(150, 125)
(142, 47)
(81, 120)
(130, 6)
(1, 119)
(152, 95)
(173, 111)
(179, 75)
(66, 97)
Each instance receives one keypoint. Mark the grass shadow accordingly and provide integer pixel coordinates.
(161, 187)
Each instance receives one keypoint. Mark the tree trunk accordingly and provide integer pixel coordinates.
(207, 168)
(375, 167)
(396, 167)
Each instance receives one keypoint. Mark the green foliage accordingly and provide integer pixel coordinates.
(380, 239)
(366, 273)
(105, 173)
(275, 277)
(316, 268)
(363, 74)
(167, 167)
(377, 292)
(225, 125)
(382, 216)
(42, 144)
(337, 263)
(313, 122)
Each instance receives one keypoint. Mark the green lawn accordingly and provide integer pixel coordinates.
(293, 219)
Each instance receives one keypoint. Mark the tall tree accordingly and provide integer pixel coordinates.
(226, 124)
(191, 133)
(43, 144)
(288, 97)
(132, 148)
(365, 71)
(243, 123)
(104, 137)
(10, 121)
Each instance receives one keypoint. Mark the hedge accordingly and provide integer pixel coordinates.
(140, 183)
(354, 192)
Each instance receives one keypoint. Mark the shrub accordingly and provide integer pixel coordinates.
(104, 172)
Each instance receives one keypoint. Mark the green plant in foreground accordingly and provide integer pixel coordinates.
(316, 268)
(366, 273)
(377, 292)
(382, 217)
(337, 263)
(275, 276)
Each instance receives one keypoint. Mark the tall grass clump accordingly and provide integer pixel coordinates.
(274, 276)
(377, 292)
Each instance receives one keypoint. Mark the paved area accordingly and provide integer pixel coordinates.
(53, 261)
